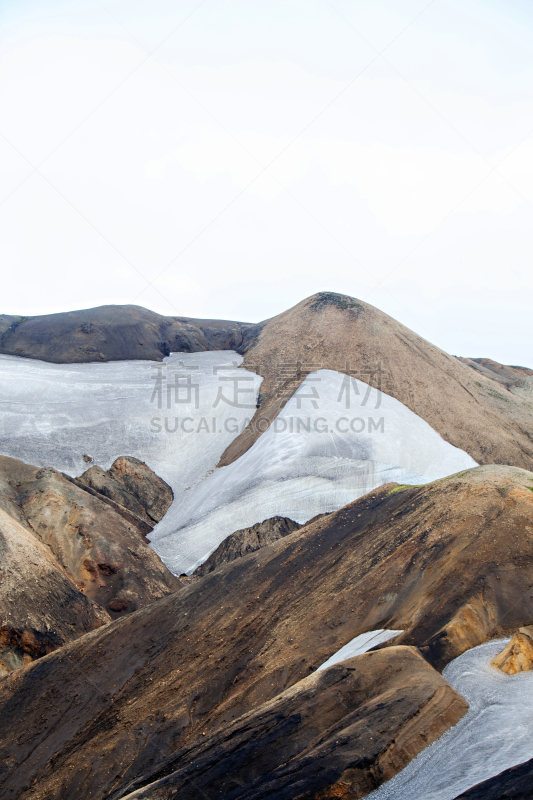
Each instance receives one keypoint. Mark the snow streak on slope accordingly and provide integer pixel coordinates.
(334, 441)
(317, 456)
(495, 734)
(361, 644)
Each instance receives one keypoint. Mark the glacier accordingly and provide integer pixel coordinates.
(54, 414)
(335, 440)
(496, 732)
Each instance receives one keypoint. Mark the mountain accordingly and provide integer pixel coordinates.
(130, 484)
(330, 331)
(40, 606)
(393, 693)
(115, 333)
(450, 564)
(346, 549)
(467, 401)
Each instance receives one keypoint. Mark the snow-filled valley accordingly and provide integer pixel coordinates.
(334, 441)
(495, 734)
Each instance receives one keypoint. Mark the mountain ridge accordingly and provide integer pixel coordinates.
(469, 406)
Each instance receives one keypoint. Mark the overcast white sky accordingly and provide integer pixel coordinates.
(227, 158)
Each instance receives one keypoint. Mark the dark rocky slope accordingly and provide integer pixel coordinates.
(248, 540)
(450, 564)
(131, 485)
(40, 606)
(384, 707)
(115, 333)
(100, 550)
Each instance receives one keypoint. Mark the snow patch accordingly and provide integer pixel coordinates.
(361, 644)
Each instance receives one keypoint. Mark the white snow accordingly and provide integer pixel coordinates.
(333, 442)
(495, 734)
(53, 414)
(361, 644)
(299, 473)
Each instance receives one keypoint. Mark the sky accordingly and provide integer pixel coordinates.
(227, 158)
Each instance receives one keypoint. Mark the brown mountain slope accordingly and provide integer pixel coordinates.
(101, 551)
(130, 484)
(499, 372)
(449, 563)
(40, 607)
(68, 561)
(336, 332)
(385, 707)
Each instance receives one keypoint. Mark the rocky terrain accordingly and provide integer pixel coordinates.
(247, 541)
(508, 375)
(130, 486)
(517, 656)
(40, 606)
(71, 561)
(469, 409)
(300, 660)
(450, 564)
(384, 707)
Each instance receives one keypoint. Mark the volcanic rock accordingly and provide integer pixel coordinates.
(340, 732)
(517, 656)
(449, 563)
(102, 553)
(114, 333)
(247, 541)
(40, 607)
(132, 485)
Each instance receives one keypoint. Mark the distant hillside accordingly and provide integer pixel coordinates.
(115, 333)
(477, 405)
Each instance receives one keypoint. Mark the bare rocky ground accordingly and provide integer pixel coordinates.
(384, 707)
(247, 541)
(71, 561)
(114, 333)
(449, 563)
(132, 487)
